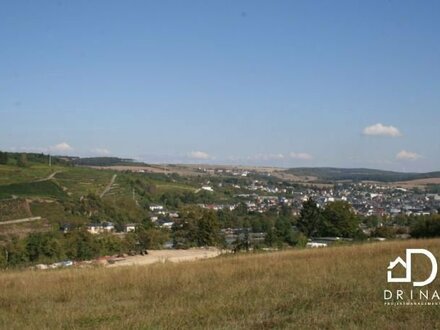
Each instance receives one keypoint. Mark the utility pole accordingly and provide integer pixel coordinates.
(50, 160)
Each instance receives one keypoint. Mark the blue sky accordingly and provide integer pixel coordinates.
(284, 83)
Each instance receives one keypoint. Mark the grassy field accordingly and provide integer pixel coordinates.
(340, 287)
(35, 189)
(12, 174)
(14, 209)
(173, 187)
(81, 180)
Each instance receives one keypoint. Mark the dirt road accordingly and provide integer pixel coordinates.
(167, 256)
(10, 222)
(109, 186)
(50, 177)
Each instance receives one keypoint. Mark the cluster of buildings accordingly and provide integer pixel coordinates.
(367, 199)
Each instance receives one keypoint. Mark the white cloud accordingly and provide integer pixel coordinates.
(61, 147)
(300, 155)
(198, 155)
(267, 157)
(100, 151)
(382, 130)
(407, 155)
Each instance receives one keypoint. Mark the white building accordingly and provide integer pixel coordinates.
(98, 228)
(129, 227)
(156, 207)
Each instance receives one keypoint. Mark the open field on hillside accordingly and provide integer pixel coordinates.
(159, 169)
(14, 209)
(420, 183)
(37, 189)
(340, 287)
(13, 174)
(187, 169)
(81, 181)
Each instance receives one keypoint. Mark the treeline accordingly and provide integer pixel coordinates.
(426, 226)
(102, 161)
(48, 247)
(198, 227)
(24, 159)
(338, 219)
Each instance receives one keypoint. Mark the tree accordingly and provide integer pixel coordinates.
(81, 245)
(3, 257)
(110, 244)
(196, 227)
(241, 209)
(184, 233)
(284, 231)
(339, 220)
(270, 238)
(3, 158)
(16, 252)
(151, 238)
(22, 160)
(208, 230)
(310, 219)
(43, 247)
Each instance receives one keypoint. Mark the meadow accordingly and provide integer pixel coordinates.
(36, 189)
(332, 288)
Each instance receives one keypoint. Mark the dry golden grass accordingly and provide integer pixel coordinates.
(340, 287)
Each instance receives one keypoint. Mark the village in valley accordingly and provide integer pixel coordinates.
(378, 204)
(71, 208)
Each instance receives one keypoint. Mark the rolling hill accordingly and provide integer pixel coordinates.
(358, 174)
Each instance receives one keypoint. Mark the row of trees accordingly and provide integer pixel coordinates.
(47, 247)
(426, 226)
(21, 159)
(338, 219)
(200, 227)
(25, 158)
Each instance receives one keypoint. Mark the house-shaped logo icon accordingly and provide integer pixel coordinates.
(407, 265)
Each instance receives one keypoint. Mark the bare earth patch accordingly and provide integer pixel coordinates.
(162, 256)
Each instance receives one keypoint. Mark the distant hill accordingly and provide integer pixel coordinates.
(358, 174)
(103, 161)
